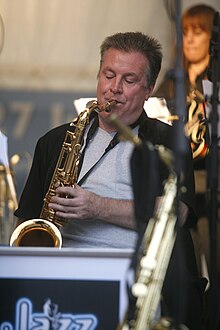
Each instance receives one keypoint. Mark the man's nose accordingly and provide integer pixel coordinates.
(116, 86)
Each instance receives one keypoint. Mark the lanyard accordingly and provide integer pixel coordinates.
(111, 145)
(115, 140)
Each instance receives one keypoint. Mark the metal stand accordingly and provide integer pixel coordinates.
(214, 76)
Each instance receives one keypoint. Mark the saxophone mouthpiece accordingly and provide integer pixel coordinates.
(106, 107)
(94, 106)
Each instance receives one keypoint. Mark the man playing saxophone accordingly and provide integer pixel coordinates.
(99, 206)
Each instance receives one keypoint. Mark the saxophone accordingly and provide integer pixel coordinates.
(158, 241)
(45, 230)
(196, 126)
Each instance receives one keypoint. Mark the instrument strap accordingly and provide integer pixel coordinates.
(115, 140)
(111, 145)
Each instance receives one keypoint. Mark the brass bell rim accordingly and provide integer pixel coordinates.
(36, 224)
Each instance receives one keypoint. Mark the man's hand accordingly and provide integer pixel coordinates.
(75, 202)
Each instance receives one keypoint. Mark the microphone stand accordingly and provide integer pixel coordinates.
(180, 149)
(213, 176)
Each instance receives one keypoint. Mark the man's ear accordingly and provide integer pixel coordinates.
(149, 91)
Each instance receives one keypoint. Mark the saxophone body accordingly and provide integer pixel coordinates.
(157, 245)
(158, 242)
(45, 230)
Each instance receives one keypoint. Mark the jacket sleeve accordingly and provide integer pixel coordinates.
(44, 162)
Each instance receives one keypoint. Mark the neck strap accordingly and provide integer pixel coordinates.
(115, 140)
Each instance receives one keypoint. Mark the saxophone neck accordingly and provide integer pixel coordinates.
(91, 107)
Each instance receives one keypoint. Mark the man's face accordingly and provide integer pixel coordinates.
(122, 78)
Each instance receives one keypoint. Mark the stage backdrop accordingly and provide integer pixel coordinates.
(49, 55)
(27, 115)
(55, 44)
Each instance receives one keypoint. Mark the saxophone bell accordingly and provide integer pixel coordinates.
(36, 232)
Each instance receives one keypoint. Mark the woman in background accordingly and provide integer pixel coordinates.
(197, 23)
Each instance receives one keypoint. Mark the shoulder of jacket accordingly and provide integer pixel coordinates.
(56, 132)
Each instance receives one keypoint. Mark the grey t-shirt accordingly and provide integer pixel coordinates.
(111, 177)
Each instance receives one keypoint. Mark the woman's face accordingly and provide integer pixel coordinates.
(195, 43)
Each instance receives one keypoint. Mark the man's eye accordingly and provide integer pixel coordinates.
(108, 77)
(129, 81)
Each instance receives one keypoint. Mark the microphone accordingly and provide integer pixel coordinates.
(214, 50)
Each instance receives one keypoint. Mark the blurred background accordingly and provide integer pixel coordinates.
(50, 57)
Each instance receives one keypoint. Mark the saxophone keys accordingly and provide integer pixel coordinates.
(148, 263)
(139, 290)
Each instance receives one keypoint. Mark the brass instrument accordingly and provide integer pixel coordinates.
(195, 124)
(195, 128)
(8, 203)
(45, 230)
(8, 196)
(158, 242)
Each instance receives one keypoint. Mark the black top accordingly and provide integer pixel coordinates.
(48, 149)
(167, 90)
(167, 87)
(182, 270)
